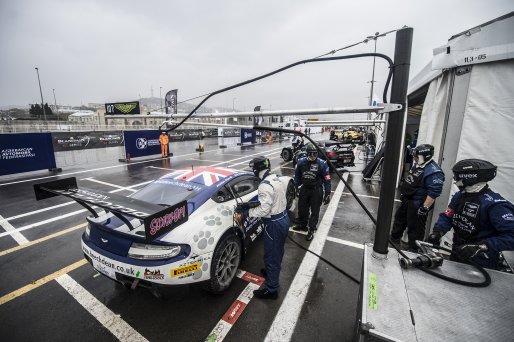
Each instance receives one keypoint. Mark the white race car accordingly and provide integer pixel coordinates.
(178, 229)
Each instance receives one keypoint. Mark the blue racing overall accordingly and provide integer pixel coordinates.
(273, 211)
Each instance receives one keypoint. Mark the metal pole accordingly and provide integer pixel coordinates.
(402, 55)
(55, 104)
(160, 95)
(41, 92)
(372, 75)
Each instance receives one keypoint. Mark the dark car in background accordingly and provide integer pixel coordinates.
(340, 154)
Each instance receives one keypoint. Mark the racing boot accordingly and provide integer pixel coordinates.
(299, 227)
(264, 293)
(310, 235)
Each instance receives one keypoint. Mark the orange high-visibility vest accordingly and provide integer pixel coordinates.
(164, 139)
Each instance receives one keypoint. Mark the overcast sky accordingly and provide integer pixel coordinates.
(108, 51)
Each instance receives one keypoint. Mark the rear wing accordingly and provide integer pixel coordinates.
(157, 220)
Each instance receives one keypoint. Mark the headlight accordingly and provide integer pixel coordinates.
(88, 231)
(153, 252)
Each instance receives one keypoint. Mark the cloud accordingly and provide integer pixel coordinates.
(98, 51)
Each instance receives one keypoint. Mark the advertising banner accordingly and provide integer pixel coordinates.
(25, 152)
(247, 135)
(122, 108)
(142, 143)
(68, 141)
(171, 101)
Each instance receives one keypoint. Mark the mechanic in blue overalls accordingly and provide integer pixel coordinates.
(418, 192)
(273, 211)
(311, 176)
(482, 220)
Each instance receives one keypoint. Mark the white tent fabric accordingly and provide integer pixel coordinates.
(488, 126)
(488, 42)
(432, 117)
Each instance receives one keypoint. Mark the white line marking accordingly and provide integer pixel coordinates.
(111, 321)
(285, 321)
(247, 161)
(16, 235)
(346, 242)
(204, 160)
(91, 179)
(368, 196)
(251, 155)
(160, 168)
(40, 210)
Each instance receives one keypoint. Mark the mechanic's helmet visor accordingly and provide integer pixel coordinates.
(312, 156)
(258, 164)
(472, 171)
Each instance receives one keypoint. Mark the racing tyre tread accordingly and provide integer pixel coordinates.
(227, 243)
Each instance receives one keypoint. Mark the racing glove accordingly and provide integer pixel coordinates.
(326, 199)
(241, 207)
(435, 237)
(466, 252)
(423, 211)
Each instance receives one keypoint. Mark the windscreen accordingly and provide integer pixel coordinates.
(167, 191)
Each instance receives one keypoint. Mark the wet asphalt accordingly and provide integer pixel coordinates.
(187, 313)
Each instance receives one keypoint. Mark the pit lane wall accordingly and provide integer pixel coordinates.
(25, 152)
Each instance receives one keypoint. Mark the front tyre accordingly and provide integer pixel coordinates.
(290, 195)
(225, 263)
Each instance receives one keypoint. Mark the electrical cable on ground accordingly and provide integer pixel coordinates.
(355, 280)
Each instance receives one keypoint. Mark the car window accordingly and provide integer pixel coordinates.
(245, 186)
(240, 186)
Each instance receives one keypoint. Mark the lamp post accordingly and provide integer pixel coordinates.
(55, 105)
(375, 37)
(160, 95)
(41, 92)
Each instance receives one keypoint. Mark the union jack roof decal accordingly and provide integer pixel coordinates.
(205, 175)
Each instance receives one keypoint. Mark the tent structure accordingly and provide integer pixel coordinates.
(466, 100)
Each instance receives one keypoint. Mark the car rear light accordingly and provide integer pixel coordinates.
(153, 252)
(332, 154)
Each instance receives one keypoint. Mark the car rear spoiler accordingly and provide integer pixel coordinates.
(157, 221)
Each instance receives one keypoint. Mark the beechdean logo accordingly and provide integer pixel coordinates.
(141, 143)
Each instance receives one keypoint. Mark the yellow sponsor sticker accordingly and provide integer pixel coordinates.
(177, 272)
(372, 291)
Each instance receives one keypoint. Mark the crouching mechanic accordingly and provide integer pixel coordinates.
(419, 189)
(273, 211)
(311, 176)
(482, 220)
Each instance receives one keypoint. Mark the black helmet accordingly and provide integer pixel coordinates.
(312, 152)
(472, 171)
(425, 150)
(258, 164)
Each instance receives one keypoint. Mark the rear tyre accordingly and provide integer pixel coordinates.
(287, 154)
(225, 263)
